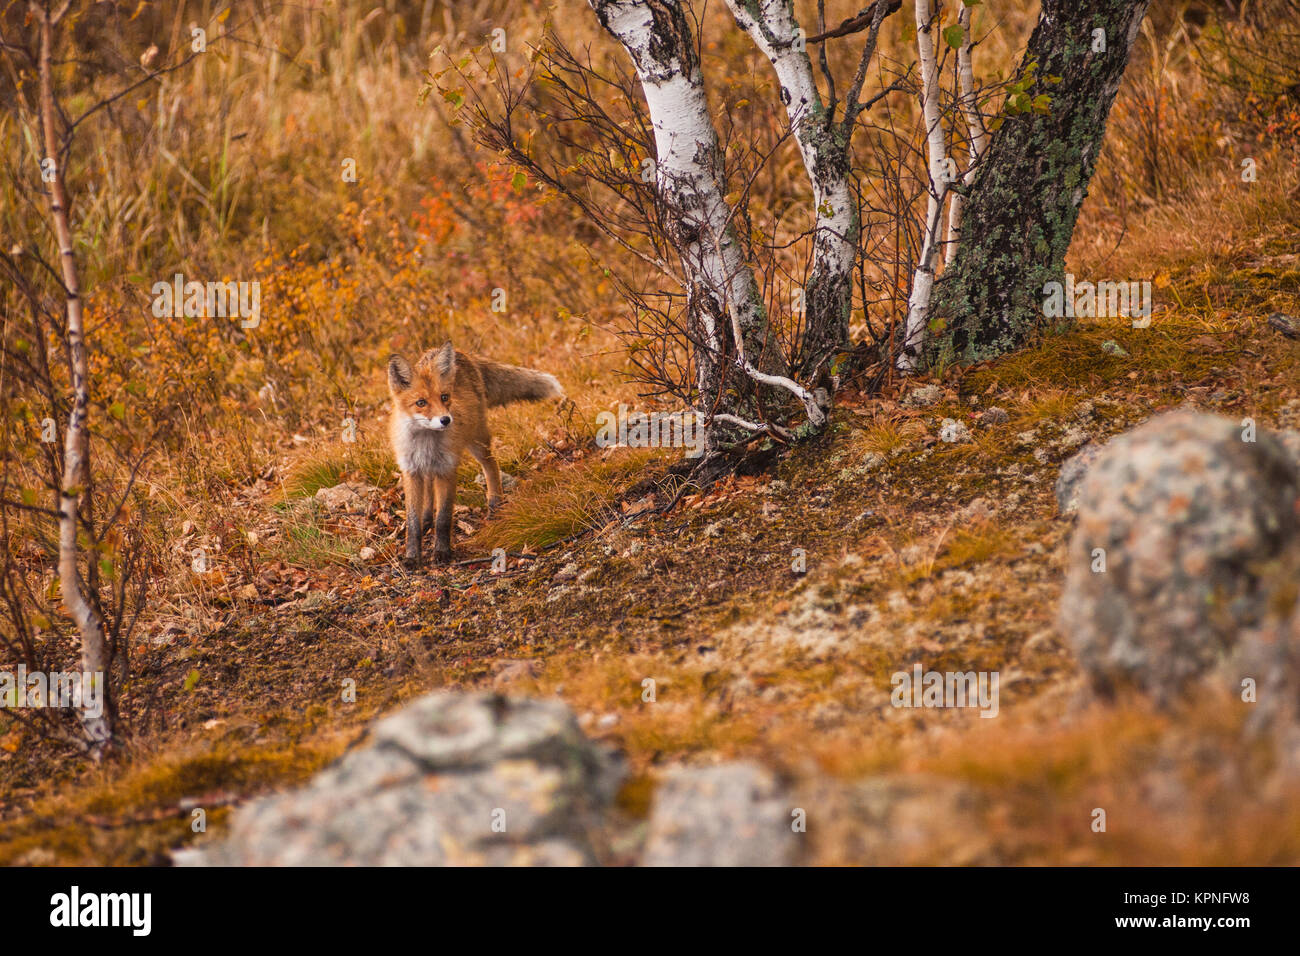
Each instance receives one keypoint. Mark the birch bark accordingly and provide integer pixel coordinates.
(824, 149)
(726, 307)
(975, 132)
(76, 445)
(918, 303)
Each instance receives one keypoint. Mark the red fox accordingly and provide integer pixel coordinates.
(439, 412)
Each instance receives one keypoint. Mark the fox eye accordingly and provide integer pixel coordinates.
(445, 398)
(421, 403)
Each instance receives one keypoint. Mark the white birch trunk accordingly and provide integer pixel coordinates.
(76, 445)
(918, 303)
(975, 131)
(657, 36)
(687, 169)
(772, 26)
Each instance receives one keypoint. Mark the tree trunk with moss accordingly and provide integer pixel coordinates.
(1024, 201)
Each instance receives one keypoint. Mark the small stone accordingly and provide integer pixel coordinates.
(953, 431)
(1071, 478)
(923, 397)
(1111, 347)
(567, 573)
(510, 671)
(1288, 325)
(350, 496)
(995, 416)
(1073, 438)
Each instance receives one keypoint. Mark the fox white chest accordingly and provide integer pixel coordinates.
(426, 452)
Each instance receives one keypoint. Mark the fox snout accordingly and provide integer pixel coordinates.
(435, 423)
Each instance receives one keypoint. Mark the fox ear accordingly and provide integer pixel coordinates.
(399, 373)
(446, 360)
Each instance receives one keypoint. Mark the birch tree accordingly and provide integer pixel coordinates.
(918, 303)
(725, 306)
(694, 223)
(977, 135)
(75, 497)
(824, 149)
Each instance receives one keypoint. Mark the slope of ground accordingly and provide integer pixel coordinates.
(769, 613)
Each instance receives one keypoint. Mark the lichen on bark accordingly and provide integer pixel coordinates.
(1024, 200)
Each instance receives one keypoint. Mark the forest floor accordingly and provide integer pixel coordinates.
(769, 611)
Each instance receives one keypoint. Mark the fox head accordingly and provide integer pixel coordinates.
(423, 392)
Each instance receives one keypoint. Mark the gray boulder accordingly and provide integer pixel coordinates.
(1073, 471)
(453, 779)
(733, 814)
(1270, 658)
(1188, 518)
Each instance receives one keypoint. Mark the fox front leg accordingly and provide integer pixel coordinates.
(415, 486)
(426, 502)
(446, 489)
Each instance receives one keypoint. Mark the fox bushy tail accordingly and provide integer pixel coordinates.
(504, 384)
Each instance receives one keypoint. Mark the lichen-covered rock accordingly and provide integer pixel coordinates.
(733, 814)
(923, 397)
(899, 820)
(1290, 440)
(453, 779)
(1178, 521)
(351, 496)
(1073, 471)
(1266, 674)
(953, 431)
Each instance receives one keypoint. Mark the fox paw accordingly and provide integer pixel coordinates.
(442, 555)
(411, 562)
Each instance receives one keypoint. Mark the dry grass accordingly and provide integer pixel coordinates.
(562, 502)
